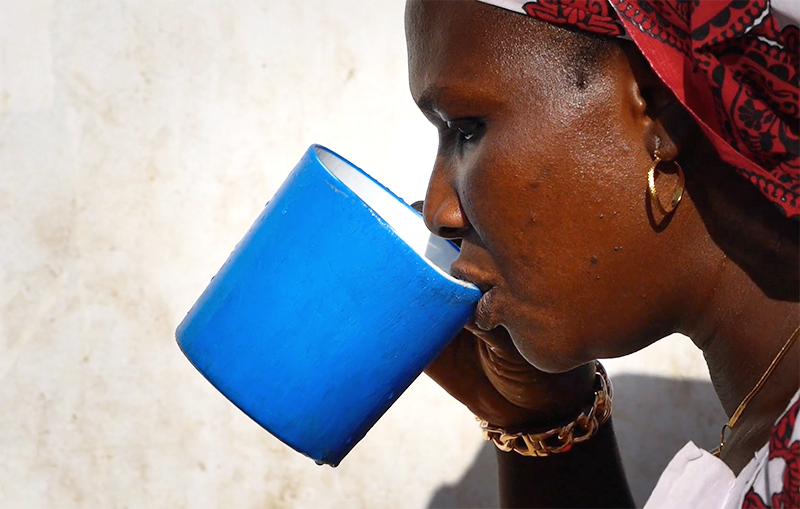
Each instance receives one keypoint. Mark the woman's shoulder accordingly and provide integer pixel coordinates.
(776, 480)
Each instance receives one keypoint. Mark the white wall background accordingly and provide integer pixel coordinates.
(138, 141)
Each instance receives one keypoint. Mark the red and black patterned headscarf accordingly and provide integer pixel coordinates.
(728, 62)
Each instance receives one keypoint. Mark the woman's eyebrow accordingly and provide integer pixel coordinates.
(439, 99)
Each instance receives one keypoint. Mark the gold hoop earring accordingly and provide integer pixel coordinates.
(651, 184)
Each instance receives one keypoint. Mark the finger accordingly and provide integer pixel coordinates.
(498, 341)
(459, 371)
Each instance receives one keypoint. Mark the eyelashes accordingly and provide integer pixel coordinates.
(469, 129)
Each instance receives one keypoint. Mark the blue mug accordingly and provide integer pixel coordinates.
(334, 301)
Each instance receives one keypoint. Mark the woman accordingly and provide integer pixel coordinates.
(599, 213)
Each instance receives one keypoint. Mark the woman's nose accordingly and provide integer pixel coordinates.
(443, 213)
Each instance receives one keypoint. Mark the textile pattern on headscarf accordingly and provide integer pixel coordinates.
(728, 62)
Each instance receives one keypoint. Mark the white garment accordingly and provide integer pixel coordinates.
(696, 478)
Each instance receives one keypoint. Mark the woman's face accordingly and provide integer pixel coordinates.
(541, 171)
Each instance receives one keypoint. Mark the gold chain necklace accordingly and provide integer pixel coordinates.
(750, 395)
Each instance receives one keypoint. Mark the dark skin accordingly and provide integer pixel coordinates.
(541, 173)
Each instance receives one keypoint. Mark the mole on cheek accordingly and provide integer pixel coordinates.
(593, 260)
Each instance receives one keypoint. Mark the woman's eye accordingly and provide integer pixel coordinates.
(468, 129)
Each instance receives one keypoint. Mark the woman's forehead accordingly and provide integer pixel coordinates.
(462, 44)
(453, 24)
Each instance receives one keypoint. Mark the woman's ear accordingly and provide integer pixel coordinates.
(669, 127)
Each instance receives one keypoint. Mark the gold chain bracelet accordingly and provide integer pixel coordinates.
(559, 439)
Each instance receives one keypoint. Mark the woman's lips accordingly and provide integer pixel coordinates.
(486, 317)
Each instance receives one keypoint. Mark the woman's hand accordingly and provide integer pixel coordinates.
(485, 371)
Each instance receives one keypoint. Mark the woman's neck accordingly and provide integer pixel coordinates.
(740, 334)
(748, 307)
(740, 331)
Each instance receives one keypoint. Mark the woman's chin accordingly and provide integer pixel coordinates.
(547, 356)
